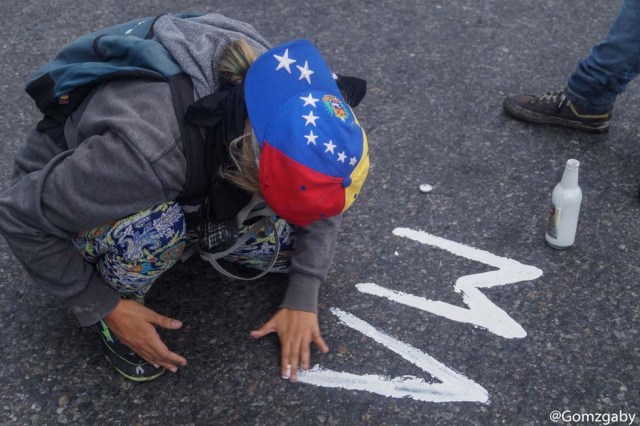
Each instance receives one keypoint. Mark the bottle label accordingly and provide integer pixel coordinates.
(553, 222)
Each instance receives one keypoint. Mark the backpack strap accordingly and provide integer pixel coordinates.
(255, 208)
(197, 181)
(213, 258)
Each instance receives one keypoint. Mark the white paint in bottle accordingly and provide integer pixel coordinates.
(565, 208)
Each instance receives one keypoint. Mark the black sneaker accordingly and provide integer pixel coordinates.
(554, 108)
(124, 360)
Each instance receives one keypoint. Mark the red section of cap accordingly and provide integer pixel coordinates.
(295, 192)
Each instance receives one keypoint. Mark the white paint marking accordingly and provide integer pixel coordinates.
(482, 312)
(454, 386)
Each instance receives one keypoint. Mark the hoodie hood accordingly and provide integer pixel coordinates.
(197, 43)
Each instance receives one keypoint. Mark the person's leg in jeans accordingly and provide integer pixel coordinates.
(587, 100)
(612, 64)
(130, 254)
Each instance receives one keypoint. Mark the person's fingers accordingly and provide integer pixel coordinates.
(135, 325)
(164, 356)
(152, 359)
(164, 322)
(305, 354)
(319, 341)
(267, 328)
(172, 360)
(155, 352)
(169, 366)
(285, 365)
(294, 360)
(168, 359)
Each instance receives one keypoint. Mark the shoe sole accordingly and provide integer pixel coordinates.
(135, 378)
(539, 118)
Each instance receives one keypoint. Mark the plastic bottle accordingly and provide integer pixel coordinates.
(565, 208)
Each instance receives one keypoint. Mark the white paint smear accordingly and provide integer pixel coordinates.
(453, 386)
(481, 312)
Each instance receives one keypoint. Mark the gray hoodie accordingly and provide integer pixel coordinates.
(122, 153)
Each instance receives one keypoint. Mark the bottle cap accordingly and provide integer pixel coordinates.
(573, 163)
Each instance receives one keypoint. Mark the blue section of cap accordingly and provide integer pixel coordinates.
(346, 183)
(333, 146)
(270, 83)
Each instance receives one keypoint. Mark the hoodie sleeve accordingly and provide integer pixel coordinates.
(112, 173)
(314, 251)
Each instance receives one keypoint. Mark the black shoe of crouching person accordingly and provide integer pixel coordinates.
(126, 362)
(554, 108)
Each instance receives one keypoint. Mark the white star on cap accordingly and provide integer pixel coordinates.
(353, 161)
(342, 156)
(309, 100)
(305, 72)
(284, 61)
(330, 146)
(311, 138)
(310, 119)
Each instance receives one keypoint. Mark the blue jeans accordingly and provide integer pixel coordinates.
(612, 64)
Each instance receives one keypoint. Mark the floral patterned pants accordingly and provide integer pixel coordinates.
(132, 252)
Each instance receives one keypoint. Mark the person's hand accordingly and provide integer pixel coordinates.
(296, 330)
(135, 324)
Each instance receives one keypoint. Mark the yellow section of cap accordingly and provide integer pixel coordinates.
(358, 175)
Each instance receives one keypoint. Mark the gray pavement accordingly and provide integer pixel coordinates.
(437, 73)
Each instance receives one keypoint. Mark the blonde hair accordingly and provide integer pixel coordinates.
(243, 156)
(234, 63)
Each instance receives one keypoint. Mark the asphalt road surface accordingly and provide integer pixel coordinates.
(529, 334)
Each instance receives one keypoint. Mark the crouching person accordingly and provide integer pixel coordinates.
(126, 173)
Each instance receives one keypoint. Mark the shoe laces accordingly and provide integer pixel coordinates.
(553, 97)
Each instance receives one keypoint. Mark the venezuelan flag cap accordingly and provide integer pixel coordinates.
(313, 152)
